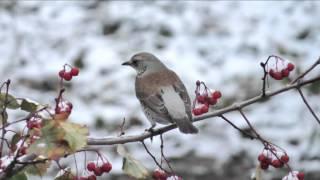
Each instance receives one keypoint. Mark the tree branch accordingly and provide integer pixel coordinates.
(235, 107)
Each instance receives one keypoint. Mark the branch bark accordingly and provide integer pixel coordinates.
(235, 107)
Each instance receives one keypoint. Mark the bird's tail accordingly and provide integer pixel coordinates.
(186, 126)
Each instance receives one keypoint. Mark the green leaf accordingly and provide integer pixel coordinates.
(75, 135)
(28, 105)
(20, 176)
(131, 166)
(3, 117)
(38, 169)
(9, 100)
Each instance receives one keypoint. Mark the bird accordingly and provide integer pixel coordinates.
(162, 95)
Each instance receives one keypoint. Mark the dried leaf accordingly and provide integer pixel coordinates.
(38, 169)
(131, 166)
(75, 135)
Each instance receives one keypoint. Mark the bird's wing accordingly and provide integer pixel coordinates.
(182, 91)
(155, 105)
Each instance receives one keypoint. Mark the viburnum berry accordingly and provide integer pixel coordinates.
(300, 176)
(212, 101)
(81, 178)
(91, 166)
(216, 94)
(67, 76)
(262, 157)
(284, 158)
(61, 73)
(97, 171)
(74, 71)
(285, 73)
(196, 111)
(204, 109)
(23, 150)
(92, 177)
(275, 75)
(201, 99)
(277, 163)
(264, 165)
(106, 167)
(290, 66)
(159, 175)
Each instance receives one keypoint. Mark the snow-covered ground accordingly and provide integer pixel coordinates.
(221, 43)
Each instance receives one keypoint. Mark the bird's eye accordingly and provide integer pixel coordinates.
(134, 62)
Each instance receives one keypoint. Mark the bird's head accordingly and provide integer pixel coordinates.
(145, 63)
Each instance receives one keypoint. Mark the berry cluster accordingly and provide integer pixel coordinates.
(267, 158)
(204, 99)
(294, 175)
(67, 75)
(159, 174)
(280, 68)
(96, 170)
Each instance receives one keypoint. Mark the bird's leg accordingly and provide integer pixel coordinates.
(151, 130)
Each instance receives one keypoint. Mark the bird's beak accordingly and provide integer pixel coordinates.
(128, 63)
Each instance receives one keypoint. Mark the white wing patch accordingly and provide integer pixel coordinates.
(173, 102)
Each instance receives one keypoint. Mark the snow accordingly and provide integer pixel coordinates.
(220, 43)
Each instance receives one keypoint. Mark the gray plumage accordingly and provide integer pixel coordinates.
(162, 94)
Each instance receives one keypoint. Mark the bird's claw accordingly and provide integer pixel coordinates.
(151, 131)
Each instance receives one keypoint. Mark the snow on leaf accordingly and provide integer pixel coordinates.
(75, 135)
(131, 166)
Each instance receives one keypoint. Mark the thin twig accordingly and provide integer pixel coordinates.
(237, 128)
(153, 157)
(308, 106)
(306, 71)
(163, 156)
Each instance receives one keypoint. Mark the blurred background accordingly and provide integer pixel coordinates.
(220, 43)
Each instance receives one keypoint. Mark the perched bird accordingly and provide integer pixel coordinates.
(162, 94)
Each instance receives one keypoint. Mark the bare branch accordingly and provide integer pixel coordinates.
(308, 106)
(145, 135)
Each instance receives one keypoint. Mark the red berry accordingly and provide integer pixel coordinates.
(264, 165)
(201, 99)
(67, 76)
(82, 178)
(106, 167)
(74, 71)
(275, 75)
(23, 150)
(91, 166)
(61, 73)
(159, 175)
(285, 73)
(97, 171)
(92, 177)
(277, 163)
(300, 176)
(212, 101)
(216, 94)
(262, 158)
(285, 158)
(196, 111)
(198, 83)
(204, 109)
(290, 66)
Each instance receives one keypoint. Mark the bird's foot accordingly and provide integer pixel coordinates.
(151, 131)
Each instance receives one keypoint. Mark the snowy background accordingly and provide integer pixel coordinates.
(221, 43)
